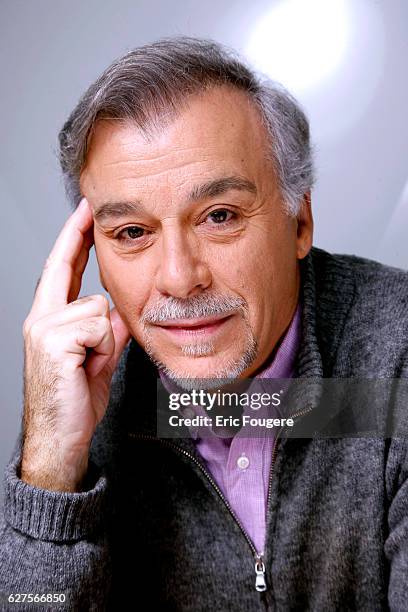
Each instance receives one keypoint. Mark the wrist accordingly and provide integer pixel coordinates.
(54, 472)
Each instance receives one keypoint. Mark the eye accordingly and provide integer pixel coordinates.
(130, 234)
(221, 216)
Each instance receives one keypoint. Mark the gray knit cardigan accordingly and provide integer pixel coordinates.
(152, 526)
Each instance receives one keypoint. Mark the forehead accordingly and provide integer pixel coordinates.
(219, 129)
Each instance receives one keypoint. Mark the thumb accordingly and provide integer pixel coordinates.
(103, 364)
(121, 335)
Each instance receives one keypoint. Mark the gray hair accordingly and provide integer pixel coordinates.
(150, 84)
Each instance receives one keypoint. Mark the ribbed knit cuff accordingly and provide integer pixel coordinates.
(53, 515)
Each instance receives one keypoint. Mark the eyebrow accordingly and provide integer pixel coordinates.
(209, 189)
(216, 187)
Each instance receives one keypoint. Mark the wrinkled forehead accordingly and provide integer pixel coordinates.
(217, 128)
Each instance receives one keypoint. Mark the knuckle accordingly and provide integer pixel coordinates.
(42, 339)
(98, 300)
(34, 330)
(88, 326)
(101, 300)
(78, 301)
(106, 325)
(26, 326)
(93, 325)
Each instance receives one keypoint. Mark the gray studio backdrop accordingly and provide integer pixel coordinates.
(345, 60)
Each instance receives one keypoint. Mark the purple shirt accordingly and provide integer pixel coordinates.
(240, 465)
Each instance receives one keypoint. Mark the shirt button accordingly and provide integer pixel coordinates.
(243, 462)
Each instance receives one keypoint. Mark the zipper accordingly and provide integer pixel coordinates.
(275, 452)
(260, 582)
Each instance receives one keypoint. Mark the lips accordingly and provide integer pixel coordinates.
(193, 323)
(205, 325)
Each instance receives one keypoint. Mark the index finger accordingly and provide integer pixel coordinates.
(56, 279)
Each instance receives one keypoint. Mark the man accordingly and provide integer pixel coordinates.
(194, 183)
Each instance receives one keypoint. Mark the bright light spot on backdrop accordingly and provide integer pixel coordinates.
(328, 53)
(300, 42)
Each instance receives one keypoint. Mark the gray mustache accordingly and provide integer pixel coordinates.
(191, 308)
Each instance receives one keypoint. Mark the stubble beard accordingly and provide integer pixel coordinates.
(224, 375)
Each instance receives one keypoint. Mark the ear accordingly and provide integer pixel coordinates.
(304, 235)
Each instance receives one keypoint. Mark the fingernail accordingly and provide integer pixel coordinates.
(82, 203)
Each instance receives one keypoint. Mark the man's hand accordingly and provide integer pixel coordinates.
(72, 347)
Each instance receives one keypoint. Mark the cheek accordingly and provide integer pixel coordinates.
(263, 275)
(127, 286)
(109, 267)
(248, 269)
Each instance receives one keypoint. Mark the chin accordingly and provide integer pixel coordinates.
(204, 364)
(208, 372)
(202, 367)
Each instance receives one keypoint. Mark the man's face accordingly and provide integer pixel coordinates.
(203, 266)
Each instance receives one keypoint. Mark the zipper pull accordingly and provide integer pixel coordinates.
(260, 583)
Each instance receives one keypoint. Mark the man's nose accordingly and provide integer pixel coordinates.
(181, 272)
